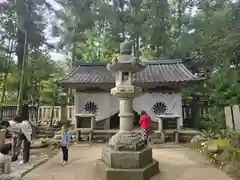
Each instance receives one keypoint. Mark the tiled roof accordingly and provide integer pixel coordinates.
(160, 73)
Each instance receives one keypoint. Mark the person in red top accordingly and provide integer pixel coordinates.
(144, 122)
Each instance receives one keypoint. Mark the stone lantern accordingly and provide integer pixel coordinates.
(63, 102)
(125, 68)
(63, 98)
(126, 156)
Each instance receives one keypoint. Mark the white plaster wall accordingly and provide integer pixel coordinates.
(147, 100)
(108, 105)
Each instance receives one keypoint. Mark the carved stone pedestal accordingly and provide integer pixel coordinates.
(126, 159)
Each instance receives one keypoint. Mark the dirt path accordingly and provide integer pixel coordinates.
(177, 163)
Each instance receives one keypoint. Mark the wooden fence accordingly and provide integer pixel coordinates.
(8, 112)
(193, 112)
(42, 113)
(45, 113)
(232, 116)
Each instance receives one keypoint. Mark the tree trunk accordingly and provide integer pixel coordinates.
(179, 22)
(22, 80)
(70, 93)
(135, 12)
(123, 23)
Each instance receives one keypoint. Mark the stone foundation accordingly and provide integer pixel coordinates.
(126, 165)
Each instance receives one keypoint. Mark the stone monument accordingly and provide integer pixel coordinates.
(126, 157)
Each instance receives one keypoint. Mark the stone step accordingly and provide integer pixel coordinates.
(38, 146)
(45, 132)
(44, 136)
(46, 128)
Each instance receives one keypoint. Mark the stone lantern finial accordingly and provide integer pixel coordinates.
(126, 48)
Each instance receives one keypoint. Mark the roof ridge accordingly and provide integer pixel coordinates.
(151, 62)
(163, 61)
(71, 73)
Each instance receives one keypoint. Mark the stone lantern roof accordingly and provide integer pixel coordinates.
(126, 62)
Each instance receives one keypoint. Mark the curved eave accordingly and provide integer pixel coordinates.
(179, 84)
(69, 75)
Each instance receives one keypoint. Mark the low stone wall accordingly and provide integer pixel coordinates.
(156, 138)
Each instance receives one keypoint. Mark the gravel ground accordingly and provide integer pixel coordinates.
(175, 163)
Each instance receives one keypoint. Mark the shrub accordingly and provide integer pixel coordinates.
(226, 157)
(198, 144)
(221, 143)
(213, 125)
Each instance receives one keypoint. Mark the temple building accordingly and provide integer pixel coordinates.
(162, 83)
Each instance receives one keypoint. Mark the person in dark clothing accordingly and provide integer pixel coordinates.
(26, 137)
(144, 122)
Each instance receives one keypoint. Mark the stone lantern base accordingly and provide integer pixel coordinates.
(127, 160)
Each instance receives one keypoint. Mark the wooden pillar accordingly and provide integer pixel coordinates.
(76, 109)
(107, 123)
(195, 112)
(24, 111)
(107, 127)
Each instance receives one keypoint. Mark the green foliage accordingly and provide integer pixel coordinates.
(225, 157)
(228, 159)
(213, 123)
(2, 59)
(225, 91)
(41, 74)
(221, 143)
(17, 18)
(91, 30)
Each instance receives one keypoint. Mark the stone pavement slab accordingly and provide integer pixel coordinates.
(38, 156)
(35, 160)
(178, 163)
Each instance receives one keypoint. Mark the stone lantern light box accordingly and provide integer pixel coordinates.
(125, 67)
(125, 78)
